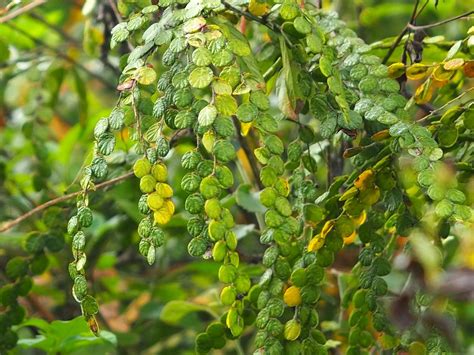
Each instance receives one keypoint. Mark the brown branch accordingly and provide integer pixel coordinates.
(410, 26)
(424, 27)
(395, 44)
(10, 224)
(22, 10)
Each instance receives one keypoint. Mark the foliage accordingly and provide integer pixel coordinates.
(291, 192)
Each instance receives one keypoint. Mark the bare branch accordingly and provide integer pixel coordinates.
(22, 10)
(10, 224)
(424, 27)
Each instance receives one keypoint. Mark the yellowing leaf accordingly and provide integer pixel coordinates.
(424, 92)
(258, 8)
(361, 219)
(316, 243)
(453, 64)
(441, 74)
(327, 228)
(292, 296)
(145, 75)
(208, 140)
(350, 239)
(365, 179)
(396, 70)
(245, 128)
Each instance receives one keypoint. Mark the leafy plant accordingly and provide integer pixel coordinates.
(324, 203)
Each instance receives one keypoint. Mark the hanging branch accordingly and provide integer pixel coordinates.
(10, 224)
(22, 10)
(411, 26)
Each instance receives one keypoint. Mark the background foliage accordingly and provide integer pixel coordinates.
(59, 77)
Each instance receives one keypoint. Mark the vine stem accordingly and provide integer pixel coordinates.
(260, 20)
(410, 26)
(10, 224)
(22, 10)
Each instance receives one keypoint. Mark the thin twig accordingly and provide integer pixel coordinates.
(62, 55)
(411, 26)
(10, 224)
(435, 111)
(21, 10)
(424, 27)
(394, 45)
(260, 20)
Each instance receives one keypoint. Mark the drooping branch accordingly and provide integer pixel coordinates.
(22, 10)
(10, 224)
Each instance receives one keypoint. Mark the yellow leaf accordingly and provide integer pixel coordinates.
(365, 179)
(424, 93)
(361, 219)
(257, 8)
(316, 243)
(350, 239)
(208, 140)
(396, 70)
(441, 74)
(327, 228)
(417, 71)
(245, 128)
(292, 296)
(454, 64)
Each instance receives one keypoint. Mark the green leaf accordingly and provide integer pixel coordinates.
(226, 105)
(145, 75)
(302, 25)
(224, 151)
(207, 115)
(106, 143)
(173, 312)
(314, 43)
(328, 125)
(202, 57)
(238, 43)
(184, 119)
(201, 77)
(120, 32)
(116, 119)
(194, 24)
(248, 200)
(444, 208)
(247, 112)
(456, 196)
